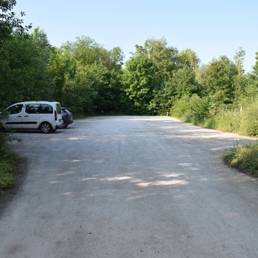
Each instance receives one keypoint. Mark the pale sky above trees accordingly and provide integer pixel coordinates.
(211, 28)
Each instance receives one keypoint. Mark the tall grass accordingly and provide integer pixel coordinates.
(242, 118)
(244, 158)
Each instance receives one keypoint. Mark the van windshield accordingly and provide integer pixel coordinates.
(58, 108)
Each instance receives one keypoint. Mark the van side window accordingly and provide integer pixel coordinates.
(32, 108)
(15, 109)
(45, 109)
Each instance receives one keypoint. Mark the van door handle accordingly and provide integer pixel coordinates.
(26, 116)
(19, 116)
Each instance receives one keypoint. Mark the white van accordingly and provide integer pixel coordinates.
(43, 115)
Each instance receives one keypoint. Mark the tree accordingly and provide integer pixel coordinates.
(252, 81)
(139, 81)
(188, 59)
(218, 80)
(162, 56)
(181, 82)
(255, 69)
(9, 23)
(240, 81)
(24, 71)
(12, 36)
(87, 77)
(184, 77)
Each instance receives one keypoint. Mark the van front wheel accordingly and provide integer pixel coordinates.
(45, 128)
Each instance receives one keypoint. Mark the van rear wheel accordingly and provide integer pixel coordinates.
(45, 128)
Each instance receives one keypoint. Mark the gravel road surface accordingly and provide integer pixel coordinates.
(129, 186)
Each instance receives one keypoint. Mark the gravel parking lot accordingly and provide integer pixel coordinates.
(129, 186)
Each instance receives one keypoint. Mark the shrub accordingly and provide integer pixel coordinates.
(2, 144)
(7, 178)
(249, 119)
(199, 109)
(210, 123)
(181, 107)
(192, 109)
(241, 119)
(8, 165)
(227, 120)
(244, 158)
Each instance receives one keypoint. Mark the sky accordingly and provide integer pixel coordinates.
(211, 28)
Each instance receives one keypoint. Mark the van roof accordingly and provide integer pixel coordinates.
(35, 102)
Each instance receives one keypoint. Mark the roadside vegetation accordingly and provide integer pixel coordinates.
(157, 79)
(8, 166)
(244, 158)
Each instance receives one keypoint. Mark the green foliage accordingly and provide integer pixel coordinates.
(23, 67)
(188, 59)
(199, 109)
(139, 82)
(244, 158)
(240, 81)
(249, 119)
(9, 22)
(7, 177)
(185, 82)
(162, 56)
(255, 71)
(227, 120)
(8, 166)
(241, 119)
(181, 107)
(168, 75)
(218, 80)
(87, 77)
(192, 109)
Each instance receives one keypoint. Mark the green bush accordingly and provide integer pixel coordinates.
(242, 119)
(192, 109)
(181, 107)
(244, 158)
(227, 120)
(7, 178)
(199, 109)
(8, 166)
(249, 119)
(210, 123)
(2, 144)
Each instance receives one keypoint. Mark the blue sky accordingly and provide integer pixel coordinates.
(211, 28)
